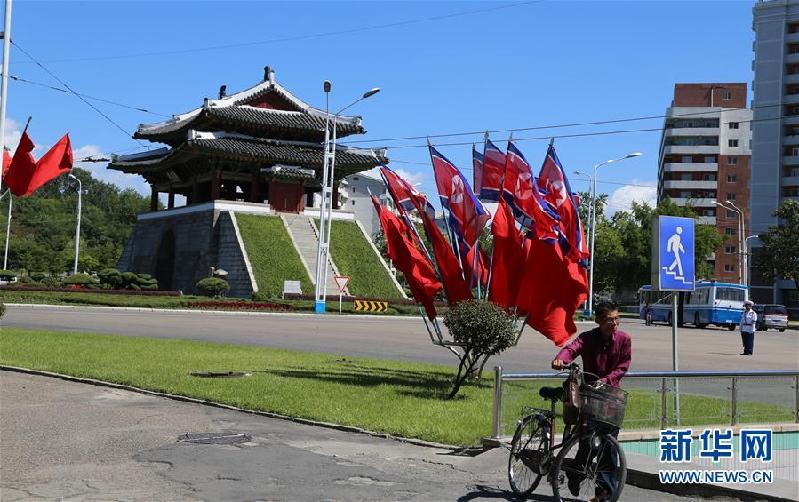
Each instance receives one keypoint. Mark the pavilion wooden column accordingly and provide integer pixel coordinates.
(195, 192)
(171, 202)
(153, 199)
(255, 187)
(216, 185)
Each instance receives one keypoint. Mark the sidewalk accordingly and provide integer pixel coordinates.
(69, 440)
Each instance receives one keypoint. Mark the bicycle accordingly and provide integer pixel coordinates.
(590, 464)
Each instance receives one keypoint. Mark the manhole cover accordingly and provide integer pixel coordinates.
(219, 374)
(214, 438)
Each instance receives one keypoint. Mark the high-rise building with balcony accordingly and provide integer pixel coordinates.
(704, 161)
(775, 141)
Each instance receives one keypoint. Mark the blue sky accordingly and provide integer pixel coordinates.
(443, 67)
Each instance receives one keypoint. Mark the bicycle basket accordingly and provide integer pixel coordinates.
(605, 404)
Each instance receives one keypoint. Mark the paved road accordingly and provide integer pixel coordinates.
(71, 441)
(406, 338)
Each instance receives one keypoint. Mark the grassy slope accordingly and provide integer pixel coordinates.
(396, 397)
(272, 254)
(354, 257)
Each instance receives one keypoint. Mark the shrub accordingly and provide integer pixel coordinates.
(146, 282)
(38, 276)
(212, 286)
(110, 277)
(2, 310)
(79, 280)
(482, 329)
(51, 281)
(7, 274)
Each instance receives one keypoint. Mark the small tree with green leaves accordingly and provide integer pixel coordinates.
(212, 286)
(779, 256)
(482, 329)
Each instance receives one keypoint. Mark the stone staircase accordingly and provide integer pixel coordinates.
(303, 233)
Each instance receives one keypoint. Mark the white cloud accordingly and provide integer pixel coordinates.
(622, 198)
(412, 178)
(12, 134)
(101, 172)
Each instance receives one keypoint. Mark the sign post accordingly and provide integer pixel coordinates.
(341, 282)
(673, 270)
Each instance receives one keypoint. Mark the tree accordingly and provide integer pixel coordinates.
(482, 329)
(779, 256)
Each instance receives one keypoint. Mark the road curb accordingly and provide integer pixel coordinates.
(177, 397)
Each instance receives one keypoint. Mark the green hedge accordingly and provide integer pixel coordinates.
(273, 257)
(354, 257)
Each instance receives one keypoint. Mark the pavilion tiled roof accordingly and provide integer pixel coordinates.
(236, 113)
(245, 152)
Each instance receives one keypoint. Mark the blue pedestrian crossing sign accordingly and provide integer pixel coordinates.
(673, 254)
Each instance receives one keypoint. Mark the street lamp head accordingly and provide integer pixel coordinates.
(327, 86)
(72, 176)
(371, 92)
(634, 154)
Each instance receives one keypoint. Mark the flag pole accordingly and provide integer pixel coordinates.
(4, 84)
(8, 233)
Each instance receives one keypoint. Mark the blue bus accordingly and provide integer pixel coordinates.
(711, 302)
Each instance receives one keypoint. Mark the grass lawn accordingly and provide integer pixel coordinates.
(354, 257)
(401, 398)
(97, 298)
(272, 254)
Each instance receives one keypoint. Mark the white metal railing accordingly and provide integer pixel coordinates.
(665, 377)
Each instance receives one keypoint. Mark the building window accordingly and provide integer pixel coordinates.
(729, 268)
(733, 125)
(732, 143)
(729, 249)
(731, 196)
(729, 231)
(710, 159)
(731, 178)
(726, 95)
(731, 214)
(687, 159)
(732, 161)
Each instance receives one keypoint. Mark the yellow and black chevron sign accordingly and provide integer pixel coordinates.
(370, 306)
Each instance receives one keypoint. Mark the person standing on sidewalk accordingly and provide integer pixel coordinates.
(748, 322)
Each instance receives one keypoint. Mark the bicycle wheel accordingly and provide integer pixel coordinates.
(529, 452)
(589, 467)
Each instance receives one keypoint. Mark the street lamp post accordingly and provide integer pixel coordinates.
(77, 227)
(741, 241)
(592, 223)
(326, 205)
(748, 275)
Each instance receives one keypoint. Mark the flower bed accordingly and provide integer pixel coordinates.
(238, 305)
(83, 289)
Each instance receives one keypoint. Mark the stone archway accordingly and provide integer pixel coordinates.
(165, 261)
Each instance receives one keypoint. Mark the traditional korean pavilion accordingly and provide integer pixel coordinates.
(256, 151)
(261, 145)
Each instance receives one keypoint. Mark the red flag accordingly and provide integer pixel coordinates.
(6, 162)
(405, 196)
(527, 202)
(22, 166)
(467, 216)
(507, 260)
(418, 270)
(552, 287)
(493, 170)
(475, 266)
(554, 181)
(54, 163)
(454, 285)
(477, 170)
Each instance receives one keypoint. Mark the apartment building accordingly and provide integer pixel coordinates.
(704, 161)
(775, 140)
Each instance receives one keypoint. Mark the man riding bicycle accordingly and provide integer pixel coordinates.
(606, 352)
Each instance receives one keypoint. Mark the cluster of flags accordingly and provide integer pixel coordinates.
(23, 174)
(538, 265)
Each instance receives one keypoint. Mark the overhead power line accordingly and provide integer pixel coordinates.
(66, 91)
(109, 119)
(299, 37)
